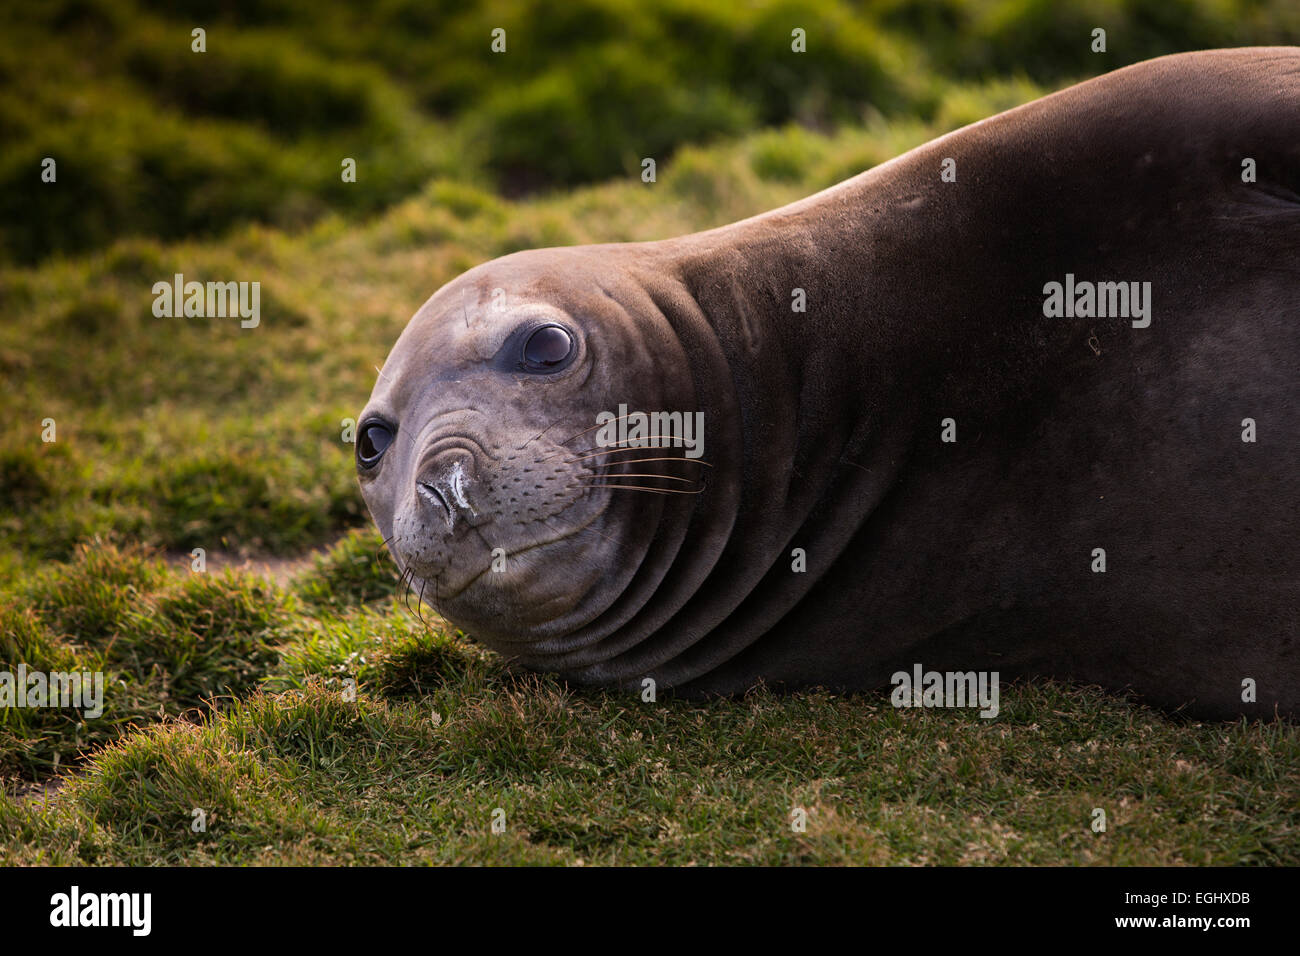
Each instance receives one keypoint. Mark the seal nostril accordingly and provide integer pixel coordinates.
(430, 493)
(447, 487)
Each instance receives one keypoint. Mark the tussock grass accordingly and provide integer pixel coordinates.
(285, 90)
(164, 644)
(377, 739)
(440, 736)
(356, 570)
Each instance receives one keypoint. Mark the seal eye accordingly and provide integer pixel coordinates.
(547, 348)
(374, 439)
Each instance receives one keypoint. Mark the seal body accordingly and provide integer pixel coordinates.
(1036, 418)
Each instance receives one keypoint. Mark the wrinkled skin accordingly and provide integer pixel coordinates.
(822, 428)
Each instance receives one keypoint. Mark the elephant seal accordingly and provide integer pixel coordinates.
(1038, 419)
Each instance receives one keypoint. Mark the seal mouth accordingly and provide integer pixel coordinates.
(588, 523)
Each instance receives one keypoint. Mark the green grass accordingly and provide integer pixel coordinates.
(155, 140)
(439, 735)
(229, 693)
(163, 642)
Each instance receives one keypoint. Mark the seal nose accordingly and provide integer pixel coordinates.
(444, 489)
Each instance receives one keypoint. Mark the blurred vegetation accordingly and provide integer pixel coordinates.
(152, 139)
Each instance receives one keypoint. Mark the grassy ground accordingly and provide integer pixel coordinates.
(227, 692)
(442, 736)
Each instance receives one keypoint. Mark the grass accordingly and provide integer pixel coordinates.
(410, 763)
(286, 89)
(319, 721)
(164, 643)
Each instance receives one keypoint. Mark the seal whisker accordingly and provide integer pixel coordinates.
(634, 474)
(594, 427)
(538, 435)
(625, 446)
(406, 589)
(602, 425)
(419, 602)
(634, 461)
(658, 491)
(383, 549)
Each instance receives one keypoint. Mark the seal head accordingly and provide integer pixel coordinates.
(477, 455)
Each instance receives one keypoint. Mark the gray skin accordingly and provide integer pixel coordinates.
(822, 429)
